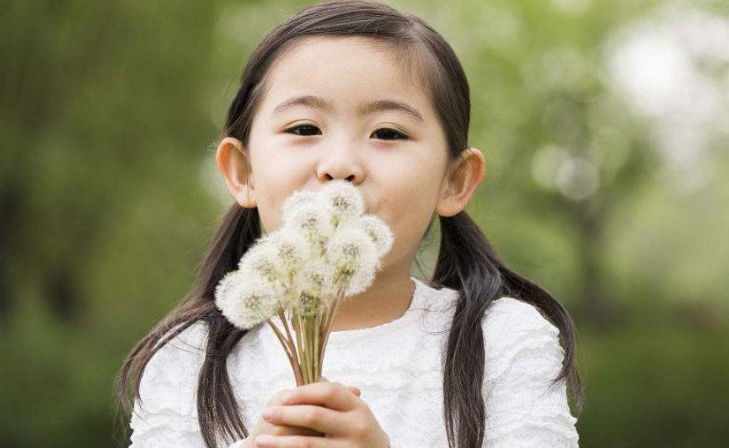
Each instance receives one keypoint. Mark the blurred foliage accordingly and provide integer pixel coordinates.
(109, 195)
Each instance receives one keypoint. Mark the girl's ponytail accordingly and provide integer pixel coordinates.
(216, 405)
(467, 262)
(240, 229)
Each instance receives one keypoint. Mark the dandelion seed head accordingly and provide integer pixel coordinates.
(261, 261)
(245, 301)
(344, 199)
(380, 233)
(308, 304)
(260, 245)
(229, 280)
(353, 254)
(313, 222)
(313, 288)
(297, 199)
(361, 280)
(290, 252)
(316, 275)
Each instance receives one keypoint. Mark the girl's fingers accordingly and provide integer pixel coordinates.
(318, 418)
(330, 395)
(267, 440)
(355, 390)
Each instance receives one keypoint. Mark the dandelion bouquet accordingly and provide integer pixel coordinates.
(325, 251)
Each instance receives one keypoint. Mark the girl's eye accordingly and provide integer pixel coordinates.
(304, 126)
(388, 131)
(381, 131)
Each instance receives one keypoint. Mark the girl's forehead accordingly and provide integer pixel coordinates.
(312, 51)
(344, 71)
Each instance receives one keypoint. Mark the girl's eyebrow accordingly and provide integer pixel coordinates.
(317, 102)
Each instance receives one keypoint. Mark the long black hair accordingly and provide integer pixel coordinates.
(466, 261)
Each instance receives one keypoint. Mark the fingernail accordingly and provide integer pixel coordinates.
(264, 440)
(267, 413)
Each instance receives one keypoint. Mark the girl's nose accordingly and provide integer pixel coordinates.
(343, 163)
(348, 178)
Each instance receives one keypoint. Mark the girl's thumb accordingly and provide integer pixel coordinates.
(355, 390)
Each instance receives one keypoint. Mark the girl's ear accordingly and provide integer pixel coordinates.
(234, 164)
(461, 182)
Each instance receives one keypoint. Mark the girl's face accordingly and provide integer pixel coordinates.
(338, 108)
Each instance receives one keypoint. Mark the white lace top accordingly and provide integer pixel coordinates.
(397, 367)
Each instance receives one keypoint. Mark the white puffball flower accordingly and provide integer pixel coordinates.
(353, 255)
(246, 301)
(259, 245)
(227, 283)
(313, 222)
(290, 252)
(344, 199)
(380, 233)
(299, 198)
(260, 261)
(314, 289)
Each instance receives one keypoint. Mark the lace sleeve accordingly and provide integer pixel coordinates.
(523, 355)
(166, 417)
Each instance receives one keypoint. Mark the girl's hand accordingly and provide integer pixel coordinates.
(263, 427)
(331, 409)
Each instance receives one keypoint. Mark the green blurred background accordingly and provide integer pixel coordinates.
(604, 125)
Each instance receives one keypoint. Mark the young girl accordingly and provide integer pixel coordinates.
(471, 358)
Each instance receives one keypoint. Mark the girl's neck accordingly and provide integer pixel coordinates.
(385, 301)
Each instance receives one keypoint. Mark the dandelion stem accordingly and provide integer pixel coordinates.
(330, 320)
(299, 347)
(292, 348)
(314, 342)
(305, 338)
(280, 337)
(307, 348)
(286, 348)
(317, 365)
(310, 347)
(307, 344)
(323, 328)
